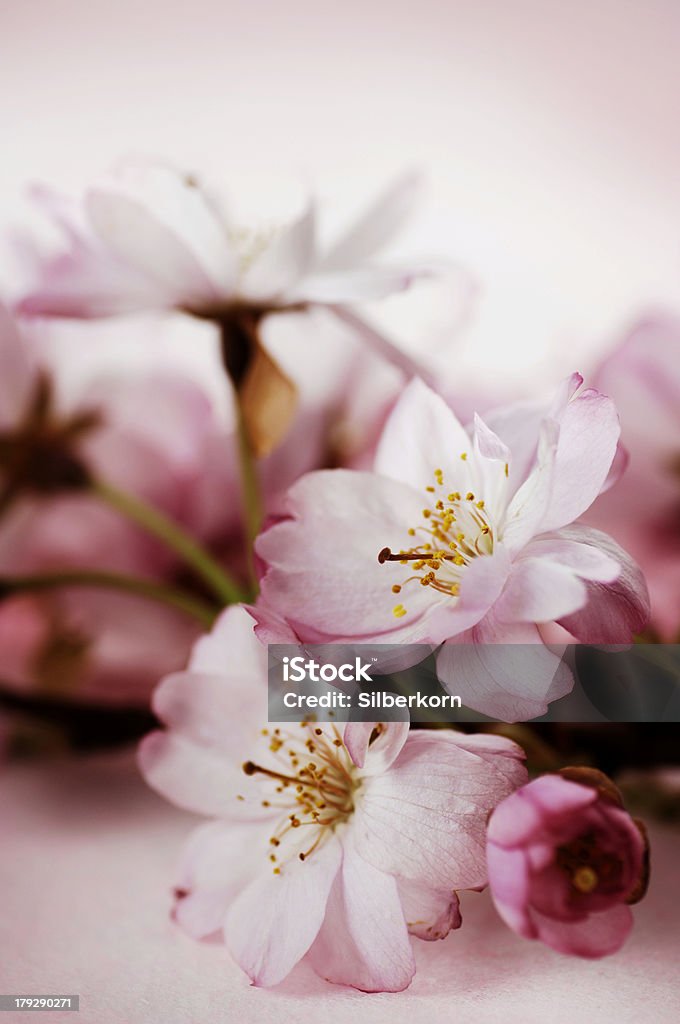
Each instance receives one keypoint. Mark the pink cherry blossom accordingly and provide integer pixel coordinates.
(147, 236)
(643, 511)
(327, 842)
(564, 860)
(464, 539)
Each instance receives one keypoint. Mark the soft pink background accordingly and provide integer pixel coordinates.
(86, 867)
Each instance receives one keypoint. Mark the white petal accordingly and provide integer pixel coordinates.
(377, 225)
(363, 941)
(275, 920)
(422, 434)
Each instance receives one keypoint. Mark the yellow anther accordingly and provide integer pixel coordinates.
(463, 456)
(399, 611)
(469, 496)
(480, 504)
(427, 513)
(430, 489)
(507, 469)
(411, 532)
(459, 560)
(396, 589)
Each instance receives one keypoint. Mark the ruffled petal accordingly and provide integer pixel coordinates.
(615, 611)
(430, 913)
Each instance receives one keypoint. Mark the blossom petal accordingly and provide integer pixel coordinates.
(275, 920)
(381, 344)
(365, 284)
(216, 864)
(364, 941)
(156, 221)
(540, 591)
(199, 779)
(375, 757)
(615, 611)
(526, 511)
(596, 936)
(342, 519)
(285, 260)
(419, 432)
(380, 222)
(588, 438)
(430, 913)
(425, 819)
(503, 671)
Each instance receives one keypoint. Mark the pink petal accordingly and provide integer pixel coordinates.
(378, 225)
(380, 754)
(199, 779)
(363, 941)
(589, 434)
(526, 511)
(596, 936)
(430, 914)
(425, 819)
(509, 882)
(540, 590)
(275, 920)
(616, 611)
(422, 434)
(503, 671)
(587, 561)
(231, 642)
(323, 574)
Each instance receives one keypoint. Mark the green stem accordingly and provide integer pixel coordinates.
(111, 581)
(168, 531)
(252, 498)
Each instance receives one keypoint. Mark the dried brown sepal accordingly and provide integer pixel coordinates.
(268, 401)
(643, 881)
(595, 779)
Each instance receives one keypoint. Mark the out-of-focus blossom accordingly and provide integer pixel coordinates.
(327, 842)
(564, 861)
(642, 512)
(464, 539)
(103, 646)
(149, 237)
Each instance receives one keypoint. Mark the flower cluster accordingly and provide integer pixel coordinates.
(205, 484)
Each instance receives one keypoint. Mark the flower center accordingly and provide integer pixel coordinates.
(458, 529)
(312, 780)
(250, 243)
(588, 866)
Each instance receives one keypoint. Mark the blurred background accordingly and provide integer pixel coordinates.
(549, 133)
